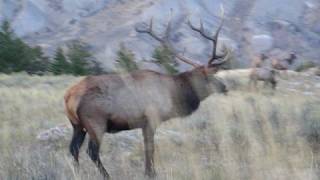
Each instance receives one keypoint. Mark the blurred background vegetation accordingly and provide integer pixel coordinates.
(18, 56)
(75, 58)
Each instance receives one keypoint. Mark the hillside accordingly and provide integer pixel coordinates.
(264, 25)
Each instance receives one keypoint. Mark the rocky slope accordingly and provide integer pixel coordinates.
(252, 25)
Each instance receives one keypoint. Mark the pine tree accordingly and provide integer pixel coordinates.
(164, 58)
(60, 65)
(6, 31)
(7, 46)
(16, 55)
(96, 68)
(79, 58)
(38, 63)
(125, 60)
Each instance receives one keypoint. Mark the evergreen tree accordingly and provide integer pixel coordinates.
(39, 63)
(7, 47)
(164, 58)
(96, 68)
(60, 65)
(79, 58)
(125, 60)
(16, 55)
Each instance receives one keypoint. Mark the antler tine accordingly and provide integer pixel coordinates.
(151, 24)
(171, 48)
(165, 41)
(201, 26)
(179, 56)
(215, 38)
(200, 30)
(168, 29)
(149, 30)
(186, 60)
(221, 23)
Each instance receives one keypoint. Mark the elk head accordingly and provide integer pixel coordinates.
(201, 76)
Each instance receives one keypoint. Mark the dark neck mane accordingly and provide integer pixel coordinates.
(187, 98)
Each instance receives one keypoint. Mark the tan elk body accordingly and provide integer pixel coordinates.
(124, 99)
(263, 74)
(260, 73)
(258, 61)
(283, 64)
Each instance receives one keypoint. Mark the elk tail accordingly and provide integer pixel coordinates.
(71, 105)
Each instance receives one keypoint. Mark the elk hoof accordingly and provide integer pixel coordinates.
(106, 177)
(150, 174)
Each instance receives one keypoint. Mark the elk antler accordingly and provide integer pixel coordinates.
(213, 39)
(165, 41)
(226, 57)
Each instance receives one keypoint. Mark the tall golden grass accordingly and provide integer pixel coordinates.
(245, 135)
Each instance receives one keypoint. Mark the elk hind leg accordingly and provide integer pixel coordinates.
(76, 142)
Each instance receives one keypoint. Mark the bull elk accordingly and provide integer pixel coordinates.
(141, 99)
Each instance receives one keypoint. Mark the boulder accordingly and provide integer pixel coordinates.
(55, 133)
(261, 42)
(29, 20)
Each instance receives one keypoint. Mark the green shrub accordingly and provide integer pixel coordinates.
(77, 61)
(165, 59)
(17, 56)
(305, 65)
(79, 58)
(60, 65)
(125, 60)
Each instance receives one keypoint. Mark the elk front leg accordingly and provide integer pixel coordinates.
(148, 136)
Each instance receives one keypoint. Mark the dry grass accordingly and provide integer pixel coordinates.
(245, 135)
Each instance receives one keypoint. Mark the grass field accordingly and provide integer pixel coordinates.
(245, 135)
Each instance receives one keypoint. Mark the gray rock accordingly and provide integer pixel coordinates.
(261, 42)
(29, 20)
(54, 134)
